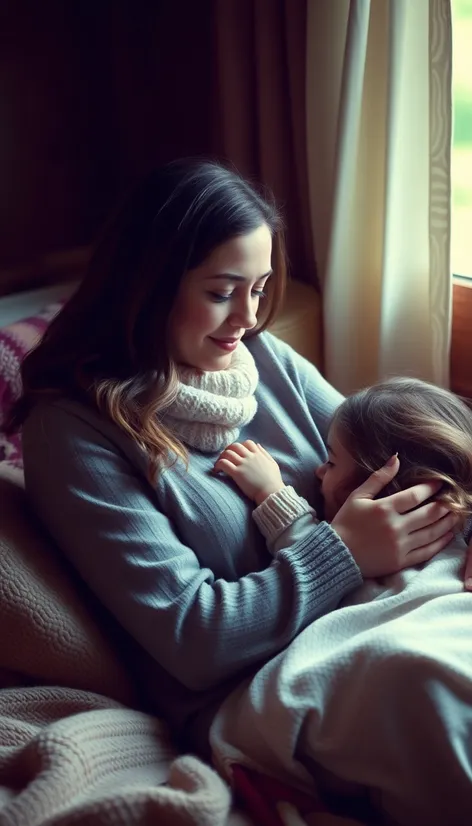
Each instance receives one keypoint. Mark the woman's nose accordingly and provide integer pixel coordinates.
(244, 316)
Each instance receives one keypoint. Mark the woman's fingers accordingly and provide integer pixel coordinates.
(377, 480)
(427, 552)
(407, 500)
(441, 530)
(427, 515)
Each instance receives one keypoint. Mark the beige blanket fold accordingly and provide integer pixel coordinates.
(373, 699)
(72, 757)
(74, 749)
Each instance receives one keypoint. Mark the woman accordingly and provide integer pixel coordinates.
(138, 385)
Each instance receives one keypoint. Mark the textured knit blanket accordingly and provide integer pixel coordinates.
(373, 701)
(72, 757)
(73, 751)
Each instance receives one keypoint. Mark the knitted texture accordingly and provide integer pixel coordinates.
(279, 511)
(181, 554)
(70, 755)
(371, 701)
(73, 757)
(212, 407)
(51, 632)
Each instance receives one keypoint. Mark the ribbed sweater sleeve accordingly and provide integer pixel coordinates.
(107, 520)
(279, 511)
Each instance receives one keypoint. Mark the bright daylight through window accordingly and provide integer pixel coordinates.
(461, 244)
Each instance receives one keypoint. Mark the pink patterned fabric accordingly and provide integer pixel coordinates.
(16, 341)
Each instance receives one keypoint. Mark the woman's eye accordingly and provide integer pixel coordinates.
(220, 297)
(329, 464)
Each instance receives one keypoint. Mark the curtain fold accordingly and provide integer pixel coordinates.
(260, 115)
(379, 140)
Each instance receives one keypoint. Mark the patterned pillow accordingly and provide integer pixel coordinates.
(16, 341)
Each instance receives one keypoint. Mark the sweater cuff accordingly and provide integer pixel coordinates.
(279, 511)
(325, 567)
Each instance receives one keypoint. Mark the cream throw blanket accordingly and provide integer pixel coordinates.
(376, 695)
(71, 751)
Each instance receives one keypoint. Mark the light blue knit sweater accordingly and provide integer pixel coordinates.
(182, 565)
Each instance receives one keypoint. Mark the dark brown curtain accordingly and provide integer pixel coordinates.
(260, 122)
(93, 93)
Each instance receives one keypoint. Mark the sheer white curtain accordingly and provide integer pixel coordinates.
(379, 138)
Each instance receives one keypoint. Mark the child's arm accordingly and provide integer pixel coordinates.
(281, 515)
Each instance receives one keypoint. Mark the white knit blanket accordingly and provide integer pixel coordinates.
(376, 695)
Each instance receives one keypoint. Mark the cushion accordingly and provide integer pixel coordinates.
(16, 341)
(53, 631)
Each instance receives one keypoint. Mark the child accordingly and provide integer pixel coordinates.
(428, 428)
(372, 702)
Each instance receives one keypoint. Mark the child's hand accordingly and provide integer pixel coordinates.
(255, 472)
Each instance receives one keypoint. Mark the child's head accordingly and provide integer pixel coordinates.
(430, 428)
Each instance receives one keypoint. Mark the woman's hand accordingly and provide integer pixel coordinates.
(254, 470)
(387, 535)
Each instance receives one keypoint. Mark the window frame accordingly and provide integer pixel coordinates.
(461, 338)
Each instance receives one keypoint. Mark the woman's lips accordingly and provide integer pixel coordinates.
(228, 345)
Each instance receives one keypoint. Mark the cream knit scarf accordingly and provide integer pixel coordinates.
(211, 407)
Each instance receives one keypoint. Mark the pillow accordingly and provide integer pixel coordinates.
(52, 629)
(16, 341)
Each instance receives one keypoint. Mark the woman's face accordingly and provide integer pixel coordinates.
(339, 476)
(218, 301)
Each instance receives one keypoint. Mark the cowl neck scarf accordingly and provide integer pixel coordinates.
(211, 407)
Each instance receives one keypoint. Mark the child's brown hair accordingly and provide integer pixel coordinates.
(430, 428)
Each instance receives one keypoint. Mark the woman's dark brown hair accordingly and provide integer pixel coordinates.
(108, 345)
(430, 429)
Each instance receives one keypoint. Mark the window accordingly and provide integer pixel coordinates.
(461, 236)
(461, 230)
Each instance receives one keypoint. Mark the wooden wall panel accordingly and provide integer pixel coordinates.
(461, 348)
